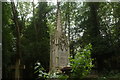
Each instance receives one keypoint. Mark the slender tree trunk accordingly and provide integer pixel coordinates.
(17, 64)
(17, 69)
(34, 21)
(68, 22)
(95, 34)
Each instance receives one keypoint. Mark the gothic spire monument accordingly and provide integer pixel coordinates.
(59, 47)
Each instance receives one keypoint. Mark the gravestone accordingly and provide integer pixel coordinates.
(59, 47)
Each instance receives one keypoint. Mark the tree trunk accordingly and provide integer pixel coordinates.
(68, 19)
(17, 64)
(34, 21)
(95, 33)
(17, 70)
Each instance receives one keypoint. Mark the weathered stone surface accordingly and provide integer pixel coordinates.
(59, 48)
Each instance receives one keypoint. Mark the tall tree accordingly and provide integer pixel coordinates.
(7, 41)
(38, 48)
(18, 53)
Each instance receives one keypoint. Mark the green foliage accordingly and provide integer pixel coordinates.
(105, 75)
(42, 74)
(63, 77)
(40, 71)
(8, 44)
(100, 27)
(82, 63)
(108, 74)
(57, 75)
(95, 23)
(37, 35)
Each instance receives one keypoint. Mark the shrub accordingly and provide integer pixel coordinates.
(82, 63)
(40, 71)
(42, 75)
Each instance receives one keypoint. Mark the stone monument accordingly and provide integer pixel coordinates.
(59, 47)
